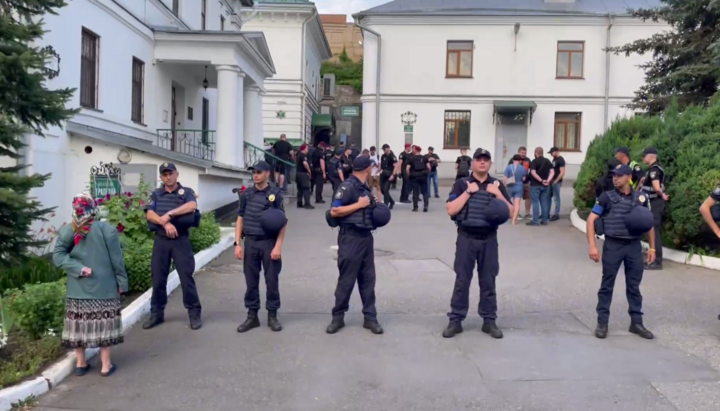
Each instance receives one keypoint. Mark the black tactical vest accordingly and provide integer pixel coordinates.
(332, 167)
(614, 221)
(647, 186)
(257, 202)
(474, 213)
(362, 218)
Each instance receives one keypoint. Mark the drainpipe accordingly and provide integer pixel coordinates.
(377, 80)
(302, 73)
(607, 73)
(251, 16)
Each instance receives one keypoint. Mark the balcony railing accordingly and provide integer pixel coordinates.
(194, 143)
(253, 154)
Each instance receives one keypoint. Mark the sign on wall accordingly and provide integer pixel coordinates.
(106, 180)
(408, 129)
(350, 111)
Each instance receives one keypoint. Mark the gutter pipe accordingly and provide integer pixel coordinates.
(610, 17)
(302, 73)
(377, 78)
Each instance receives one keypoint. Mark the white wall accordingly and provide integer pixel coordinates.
(283, 33)
(216, 192)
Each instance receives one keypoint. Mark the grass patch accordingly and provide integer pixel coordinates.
(24, 357)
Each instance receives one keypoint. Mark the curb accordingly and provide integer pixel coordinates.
(681, 257)
(131, 315)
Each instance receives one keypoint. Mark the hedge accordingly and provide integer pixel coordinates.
(688, 145)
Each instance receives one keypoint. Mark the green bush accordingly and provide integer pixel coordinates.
(688, 144)
(32, 271)
(138, 257)
(126, 212)
(206, 235)
(38, 308)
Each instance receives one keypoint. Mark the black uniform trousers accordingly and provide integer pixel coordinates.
(303, 188)
(180, 252)
(419, 186)
(257, 256)
(335, 181)
(629, 253)
(483, 251)
(356, 263)
(406, 188)
(319, 181)
(385, 184)
(657, 206)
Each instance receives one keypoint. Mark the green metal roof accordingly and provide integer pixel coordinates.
(322, 120)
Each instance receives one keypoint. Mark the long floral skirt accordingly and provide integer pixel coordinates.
(92, 323)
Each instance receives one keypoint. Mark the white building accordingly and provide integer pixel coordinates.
(157, 81)
(298, 44)
(499, 74)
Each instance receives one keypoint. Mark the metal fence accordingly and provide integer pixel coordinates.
(194, 143)
(253, 154)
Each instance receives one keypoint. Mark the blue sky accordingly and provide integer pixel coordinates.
(346, 6)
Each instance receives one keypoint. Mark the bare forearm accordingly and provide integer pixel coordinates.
(552, 174)
(590, 226)
(338, 212)
(281, 237)
(656, 187)
(535, 175)
(153, 217)
(238, 229)
(707, 215)
(454, 207)
(651, 238)
(322, 165)
(186, 208)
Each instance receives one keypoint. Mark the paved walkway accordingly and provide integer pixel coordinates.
(548, 360)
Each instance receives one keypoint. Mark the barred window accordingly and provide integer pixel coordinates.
(138, 79)
(89, 59)
(457, 129)
(567, 131)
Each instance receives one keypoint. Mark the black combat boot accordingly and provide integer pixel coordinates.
(640, 330)
(154, 320)
(425, 209)
(373, 325)
(415, 209)
(195, 321)
(601, 331)
(273, 321)
(335, 326)
(655, 266)
(454, 328)
(490, 328)
(252, 322)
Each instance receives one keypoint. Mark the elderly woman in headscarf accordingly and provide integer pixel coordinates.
(89, 252)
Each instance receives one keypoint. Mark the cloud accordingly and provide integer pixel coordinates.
(346, 6)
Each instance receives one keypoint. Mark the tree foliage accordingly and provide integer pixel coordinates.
(688, 144)
(26, 107)
(684, 62)
(346, 71)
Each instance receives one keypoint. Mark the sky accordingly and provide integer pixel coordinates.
(346, 6)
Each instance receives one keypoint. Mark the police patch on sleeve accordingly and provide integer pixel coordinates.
(271, 197)
(653, 174)
(637, 168)
(642, 199)
(717, 190)
(496, 183)
(181, 191)
(340, 193)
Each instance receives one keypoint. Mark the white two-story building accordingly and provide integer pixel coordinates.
(498, 74)
(294, 33)
(157, 81)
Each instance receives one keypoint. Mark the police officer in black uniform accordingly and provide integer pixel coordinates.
(353, 206)
(168, 212)
(302, 177)
(614, 215)
(318, 164)
(335, 170)
(418, 169)
(388, 162)
(406, 188)
(653, 186)
(262, 247)
(710, 211)
(469, 205)
(347, 162)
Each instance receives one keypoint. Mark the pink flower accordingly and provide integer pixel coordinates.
(127, 204)
(107, 196)
(120, 228)
(42, 230)
(99, 200)
(129, 194)
(142, 203)
(52, 215)
(242, 189)
(79, 211)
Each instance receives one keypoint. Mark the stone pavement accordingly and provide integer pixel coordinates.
(548, 361)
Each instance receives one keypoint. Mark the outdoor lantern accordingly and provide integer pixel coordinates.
(206, 83)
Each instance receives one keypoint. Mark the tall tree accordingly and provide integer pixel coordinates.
(26, 107)
(683, 62)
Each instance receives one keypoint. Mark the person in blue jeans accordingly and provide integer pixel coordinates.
(541, 177)
(515, 176)
(558, 163)
(432, 159)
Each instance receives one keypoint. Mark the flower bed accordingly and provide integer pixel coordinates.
(33, 303)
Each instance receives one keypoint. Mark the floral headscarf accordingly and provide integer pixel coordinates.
(83, 215)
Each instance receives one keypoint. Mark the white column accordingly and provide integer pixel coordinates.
(227, 97)
(239, 118)
(252, 116)
(259, 127)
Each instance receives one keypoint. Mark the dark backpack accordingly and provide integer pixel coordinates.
(464, 167)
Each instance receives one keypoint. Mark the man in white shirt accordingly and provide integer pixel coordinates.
(374, 181)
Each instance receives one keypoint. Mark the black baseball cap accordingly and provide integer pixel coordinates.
(260, 166)
(167, 167)
(623, 150)
(481, 152)
(553, 149)
(385, 146)
(431, 148)
(650, 150)
(361, 163)
(622, 170)
(373, 148)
